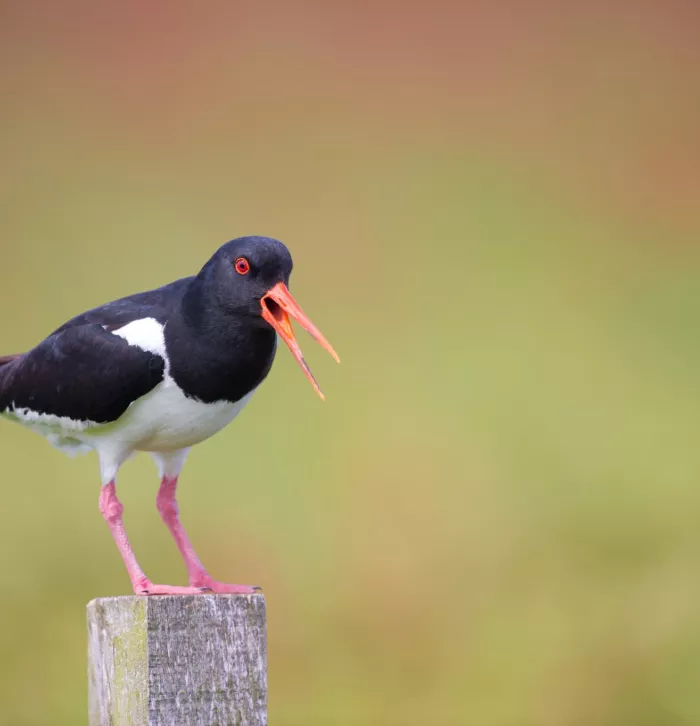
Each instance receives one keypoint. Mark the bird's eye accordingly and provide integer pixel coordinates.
(242, 266)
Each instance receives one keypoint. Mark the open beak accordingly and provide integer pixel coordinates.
(277, 307)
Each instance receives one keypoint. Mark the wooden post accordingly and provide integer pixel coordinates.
(197, 660)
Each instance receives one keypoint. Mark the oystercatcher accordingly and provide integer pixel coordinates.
(160, 371)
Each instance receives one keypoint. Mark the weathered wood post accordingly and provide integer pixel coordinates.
(196, 660)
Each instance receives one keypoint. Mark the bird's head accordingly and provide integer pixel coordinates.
(251, 277)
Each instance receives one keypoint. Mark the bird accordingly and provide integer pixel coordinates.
(158, 372)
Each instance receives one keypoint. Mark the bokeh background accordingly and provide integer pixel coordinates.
(494, 214)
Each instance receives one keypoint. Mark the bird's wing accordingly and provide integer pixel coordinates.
(85, 373)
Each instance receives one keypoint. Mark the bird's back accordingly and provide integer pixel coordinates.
(155, 304)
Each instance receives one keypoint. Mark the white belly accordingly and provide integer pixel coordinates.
(166, 420)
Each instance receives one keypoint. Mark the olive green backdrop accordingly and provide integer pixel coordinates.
(493, 520)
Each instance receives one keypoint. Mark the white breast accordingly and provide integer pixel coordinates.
(165, 419)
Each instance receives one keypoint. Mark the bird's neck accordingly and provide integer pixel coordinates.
(215, 354)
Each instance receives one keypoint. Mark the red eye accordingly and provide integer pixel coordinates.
(242, 266)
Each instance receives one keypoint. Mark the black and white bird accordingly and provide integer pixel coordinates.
(160, 371)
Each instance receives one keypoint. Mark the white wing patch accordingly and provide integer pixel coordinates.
(147, 334)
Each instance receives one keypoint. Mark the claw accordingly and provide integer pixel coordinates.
(152, 589)
(223, 588)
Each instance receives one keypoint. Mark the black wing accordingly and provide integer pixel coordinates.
(83, 371)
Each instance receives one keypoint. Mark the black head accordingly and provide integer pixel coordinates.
(245, 286)
(243, 270)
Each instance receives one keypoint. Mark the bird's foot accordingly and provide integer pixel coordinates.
(223, 588)
(148, 588)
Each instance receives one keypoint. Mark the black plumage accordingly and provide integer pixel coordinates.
(83, 373)
(217, 346)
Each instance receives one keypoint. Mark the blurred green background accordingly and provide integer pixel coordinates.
(493, 520)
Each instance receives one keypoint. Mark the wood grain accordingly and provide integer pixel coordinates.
(177, 661)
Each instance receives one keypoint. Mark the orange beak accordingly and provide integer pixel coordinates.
(277, 307)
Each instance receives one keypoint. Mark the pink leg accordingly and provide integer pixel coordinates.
(112, 509)
(199, 577)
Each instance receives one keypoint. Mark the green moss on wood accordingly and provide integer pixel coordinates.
(130, 660)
